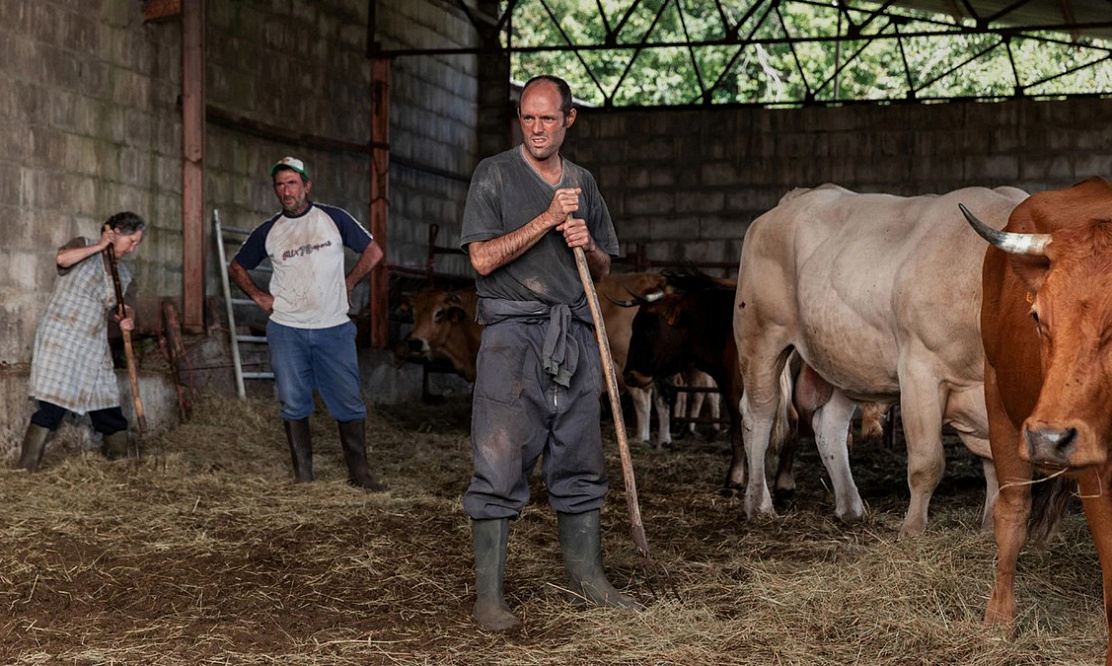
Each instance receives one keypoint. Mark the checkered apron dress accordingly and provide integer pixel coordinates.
(71, 364)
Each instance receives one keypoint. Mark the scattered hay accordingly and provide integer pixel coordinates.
(211, 555)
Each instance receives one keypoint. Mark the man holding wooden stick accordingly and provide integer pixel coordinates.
(538, 371)
(71, 365)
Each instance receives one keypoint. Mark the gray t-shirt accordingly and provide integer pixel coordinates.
(505, 194)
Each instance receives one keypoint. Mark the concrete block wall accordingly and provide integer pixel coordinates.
(688, 182)
(85, 127)
(303, 67)
(434, 113)
(90, 125)
(299, 67)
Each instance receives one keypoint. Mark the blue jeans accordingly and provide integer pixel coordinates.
(324, 359)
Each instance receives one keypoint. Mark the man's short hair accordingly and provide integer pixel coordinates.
(561, 85)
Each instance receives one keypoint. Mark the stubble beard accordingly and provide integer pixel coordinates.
(294, 205)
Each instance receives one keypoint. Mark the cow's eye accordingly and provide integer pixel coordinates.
(1038, 322)
(438, 315)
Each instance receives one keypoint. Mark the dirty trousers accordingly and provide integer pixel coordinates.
(520, 413)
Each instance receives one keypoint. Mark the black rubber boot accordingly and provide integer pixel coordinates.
(34, 444)
(301, 449)
(353, 438)
(115, 445)
(489, 539)
(581, 544)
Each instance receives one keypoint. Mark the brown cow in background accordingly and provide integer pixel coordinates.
(444, 328)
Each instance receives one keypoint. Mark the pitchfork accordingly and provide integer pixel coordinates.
(137, 401)
(637, 528)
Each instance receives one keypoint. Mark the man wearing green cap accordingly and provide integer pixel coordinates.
(311, 337)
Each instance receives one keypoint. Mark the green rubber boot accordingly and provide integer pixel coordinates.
(301, 449)
(353, 439)
(34, 444)
(489, 539)
(115, 445)
(581, 544)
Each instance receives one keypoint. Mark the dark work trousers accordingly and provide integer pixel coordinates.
(518, 413)
(105, 421)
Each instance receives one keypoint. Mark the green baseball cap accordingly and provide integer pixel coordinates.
(289, 163)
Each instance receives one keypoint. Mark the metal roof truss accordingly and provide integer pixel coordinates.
(794, 52)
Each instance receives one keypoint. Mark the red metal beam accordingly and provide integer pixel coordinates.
(193, 165)
(379, 305)
(158, 10)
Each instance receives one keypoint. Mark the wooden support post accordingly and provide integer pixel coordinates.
(193, 165)
(380, 204)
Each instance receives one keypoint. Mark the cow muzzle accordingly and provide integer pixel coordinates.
(1050, 446)
(418, 347)
(1059, 445)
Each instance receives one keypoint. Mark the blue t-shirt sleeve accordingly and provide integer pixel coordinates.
(253, 250)
(354, 235)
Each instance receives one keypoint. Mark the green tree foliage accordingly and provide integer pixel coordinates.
(788, 52)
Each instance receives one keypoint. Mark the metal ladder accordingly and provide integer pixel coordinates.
(222, 238)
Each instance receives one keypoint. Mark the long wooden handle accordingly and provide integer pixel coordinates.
(140, 417)
(636, 526)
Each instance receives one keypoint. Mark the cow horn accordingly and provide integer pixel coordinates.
(1008, 241)
(631, 303)
(650, 297)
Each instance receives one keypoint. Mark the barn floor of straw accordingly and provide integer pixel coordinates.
(206, 553)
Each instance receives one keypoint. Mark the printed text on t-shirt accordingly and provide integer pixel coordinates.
(308, 248)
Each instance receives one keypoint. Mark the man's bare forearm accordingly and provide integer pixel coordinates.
(598, 261)
(243, 280)
(367, 261)
(487, 256)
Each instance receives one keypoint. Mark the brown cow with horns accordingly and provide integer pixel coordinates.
(1046, 323)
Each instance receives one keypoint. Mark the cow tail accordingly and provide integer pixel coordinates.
(784, 425)
(1049, 498)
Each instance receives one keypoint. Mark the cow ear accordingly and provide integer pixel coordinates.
(456, 315)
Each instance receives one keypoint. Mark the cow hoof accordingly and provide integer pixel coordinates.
(912, 531)
(851, 517)
(1000, 618)
(761, 514)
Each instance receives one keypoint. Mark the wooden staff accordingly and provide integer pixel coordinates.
(140, 417)
(638, 529)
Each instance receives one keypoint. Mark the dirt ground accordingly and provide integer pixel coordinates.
(205, 552)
